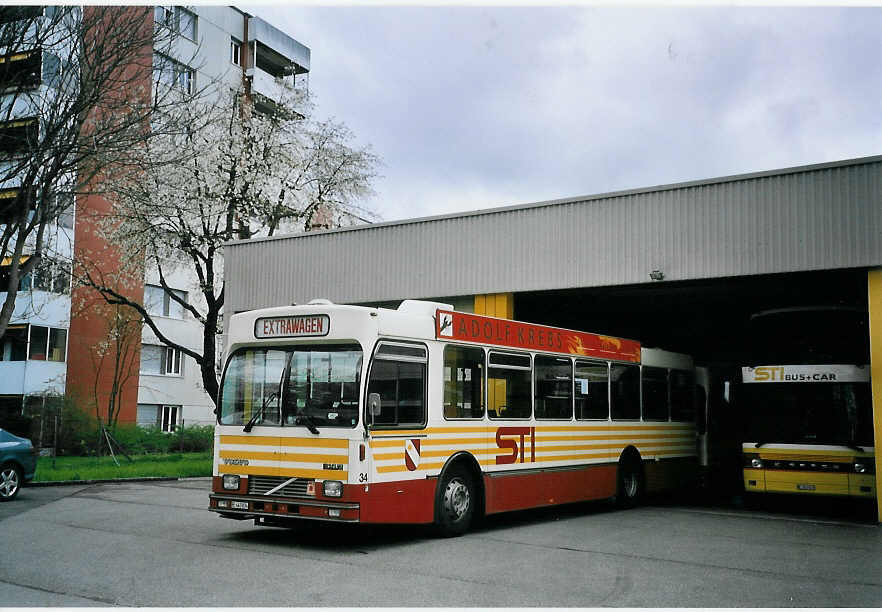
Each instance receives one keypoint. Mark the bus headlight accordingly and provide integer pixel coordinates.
(332, 488)
(753, 461)
(865, 466)
(231, 482)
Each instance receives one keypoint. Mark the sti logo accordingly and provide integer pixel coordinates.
(445, 325)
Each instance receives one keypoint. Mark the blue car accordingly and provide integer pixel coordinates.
(18, 463)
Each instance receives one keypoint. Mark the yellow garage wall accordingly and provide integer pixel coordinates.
(874, 286)
(500, 305)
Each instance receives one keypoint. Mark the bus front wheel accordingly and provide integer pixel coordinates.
(455, 504)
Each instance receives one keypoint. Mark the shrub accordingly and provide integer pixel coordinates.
(143, 440)
(194, 438)
(77, 430)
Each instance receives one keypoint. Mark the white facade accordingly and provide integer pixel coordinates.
(170, 384)
(33, 353)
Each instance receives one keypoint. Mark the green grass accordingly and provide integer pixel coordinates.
(180, 465)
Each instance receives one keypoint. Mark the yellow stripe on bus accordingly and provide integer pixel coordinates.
(280, 441)
(258, 470)
(428, 442)
(598, 458)
(277, 456)
(491, 429)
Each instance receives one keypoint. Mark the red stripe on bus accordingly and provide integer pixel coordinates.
(515, 491)
(405, 501)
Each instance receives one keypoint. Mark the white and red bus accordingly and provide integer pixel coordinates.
(427, 415)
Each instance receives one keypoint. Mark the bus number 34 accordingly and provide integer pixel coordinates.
(515, 444)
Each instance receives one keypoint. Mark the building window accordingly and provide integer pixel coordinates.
(186, 23)
(174, 74)
(24, 281)
(166, 418)
(165, 15)
(21, 70)
(52, 276)
(64, 208)
(14, 345)
(177, 19)
(158, 302)
(235, 51)
(11, 14)
(18, 137)
(172, 360)
(47, 343)
(12, 203)
(160, 360)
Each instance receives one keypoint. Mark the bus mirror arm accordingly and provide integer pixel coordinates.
(374, 405)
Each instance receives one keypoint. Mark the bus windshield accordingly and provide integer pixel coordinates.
(317, 384)
(809, 413)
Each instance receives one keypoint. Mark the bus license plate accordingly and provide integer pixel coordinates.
(239, 505)
(805, 487)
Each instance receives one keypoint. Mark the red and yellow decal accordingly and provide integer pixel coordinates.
(426, 451)
(451, 325)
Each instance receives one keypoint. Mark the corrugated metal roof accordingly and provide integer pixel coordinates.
(822, 216)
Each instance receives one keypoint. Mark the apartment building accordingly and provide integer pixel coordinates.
(50, 348)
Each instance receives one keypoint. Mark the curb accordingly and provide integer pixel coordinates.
(61, 483)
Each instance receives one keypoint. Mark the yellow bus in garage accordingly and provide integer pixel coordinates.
(808, 421)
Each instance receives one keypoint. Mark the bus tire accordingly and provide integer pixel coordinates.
(629, 490)
(455, 502)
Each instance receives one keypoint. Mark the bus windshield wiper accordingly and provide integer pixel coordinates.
(303, 419)
(259, 414)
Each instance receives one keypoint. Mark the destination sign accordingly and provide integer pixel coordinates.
(805, 374)
(292, 327)
(503, 332)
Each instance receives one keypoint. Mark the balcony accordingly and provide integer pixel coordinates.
(275, 88)
(287, 50)
(276, 63)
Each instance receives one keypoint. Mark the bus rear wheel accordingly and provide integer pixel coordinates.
(455, 503)
(630, 482)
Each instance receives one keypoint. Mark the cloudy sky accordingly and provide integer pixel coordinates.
(481, 106)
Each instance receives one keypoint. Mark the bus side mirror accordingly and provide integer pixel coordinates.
(374, 404)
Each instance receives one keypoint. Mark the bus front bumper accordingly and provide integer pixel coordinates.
(243, 507)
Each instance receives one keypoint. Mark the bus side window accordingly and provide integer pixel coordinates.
(554, 387)
(682, 396)
(654, 393)
(463, 382)
(625, 392)
(592, 390)
(509, 386)
(401, 386)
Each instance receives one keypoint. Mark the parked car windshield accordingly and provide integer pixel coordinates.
(284, 386)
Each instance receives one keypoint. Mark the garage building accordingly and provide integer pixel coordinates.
(680, 266)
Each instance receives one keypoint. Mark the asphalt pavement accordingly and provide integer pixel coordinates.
(155, 544)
